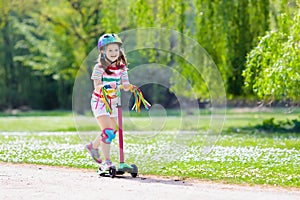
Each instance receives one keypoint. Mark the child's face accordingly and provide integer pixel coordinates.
(112, 52)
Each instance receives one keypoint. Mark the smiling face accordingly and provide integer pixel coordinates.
(112, 52)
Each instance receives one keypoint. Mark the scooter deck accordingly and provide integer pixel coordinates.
(112, 171)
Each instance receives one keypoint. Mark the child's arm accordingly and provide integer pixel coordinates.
(97, 78)
(97, 85)
(125, 80)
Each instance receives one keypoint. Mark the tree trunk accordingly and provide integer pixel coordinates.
(9, 68)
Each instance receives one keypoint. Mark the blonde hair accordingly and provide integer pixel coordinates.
(104, 63)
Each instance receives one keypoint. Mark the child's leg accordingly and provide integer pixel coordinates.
(113, 122)
(105, 122)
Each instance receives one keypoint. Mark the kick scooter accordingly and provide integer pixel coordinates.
(123, 167)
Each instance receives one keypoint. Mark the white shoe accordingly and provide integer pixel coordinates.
(106, 166)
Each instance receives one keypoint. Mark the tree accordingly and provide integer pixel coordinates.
(58, 35)
(227, 30)
(12, 83)
(48, 41)
(272, 68)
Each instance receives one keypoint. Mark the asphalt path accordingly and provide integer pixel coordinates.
(23, 181)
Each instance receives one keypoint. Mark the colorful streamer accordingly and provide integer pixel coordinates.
(139, 99)
(137, 94)
(106, 100)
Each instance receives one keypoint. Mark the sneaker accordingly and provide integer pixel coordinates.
(106, 166)
(93, 152)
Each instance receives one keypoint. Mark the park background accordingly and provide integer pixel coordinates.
(255, 45)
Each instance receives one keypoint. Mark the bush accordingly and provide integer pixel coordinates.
(270, 125)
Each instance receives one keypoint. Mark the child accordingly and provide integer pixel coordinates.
(109, 72)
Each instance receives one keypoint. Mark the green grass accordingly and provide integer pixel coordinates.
(236, 158)
(241, 155)
(37, 113)
(36, 124)
(54, 121)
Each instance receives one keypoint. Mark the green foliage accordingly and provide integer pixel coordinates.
(56, 37)
(113, 14)
(18, 84)
(272, 68)
(227, 30)
(284, 126)
(140, 14)
(51, 39)
(48, 41)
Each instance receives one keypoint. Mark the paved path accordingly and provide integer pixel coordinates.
(44, 182)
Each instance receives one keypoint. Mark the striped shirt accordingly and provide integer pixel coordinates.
(119, 75)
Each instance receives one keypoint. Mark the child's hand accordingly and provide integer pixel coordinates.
(126, 86)
(113, 85)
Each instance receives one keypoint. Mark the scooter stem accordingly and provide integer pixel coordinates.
(120, 124)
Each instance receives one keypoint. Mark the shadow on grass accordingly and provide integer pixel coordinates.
(271, 126)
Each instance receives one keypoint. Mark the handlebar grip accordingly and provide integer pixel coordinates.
(120, 86)
(107, 86)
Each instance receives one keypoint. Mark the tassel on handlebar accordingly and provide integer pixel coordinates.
(137, 94)
(138, 99)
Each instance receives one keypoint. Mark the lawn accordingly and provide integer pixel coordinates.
(241, 154)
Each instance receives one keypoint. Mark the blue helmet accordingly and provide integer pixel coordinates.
(108, 39)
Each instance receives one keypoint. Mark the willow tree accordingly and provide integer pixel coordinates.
(227, 30)
(163, 17)
(272, 68)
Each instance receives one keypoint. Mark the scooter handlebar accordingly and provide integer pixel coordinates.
(121, 87)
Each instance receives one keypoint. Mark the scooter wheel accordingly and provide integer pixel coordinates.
(100, 172)
(112, 172)
(134, 171)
